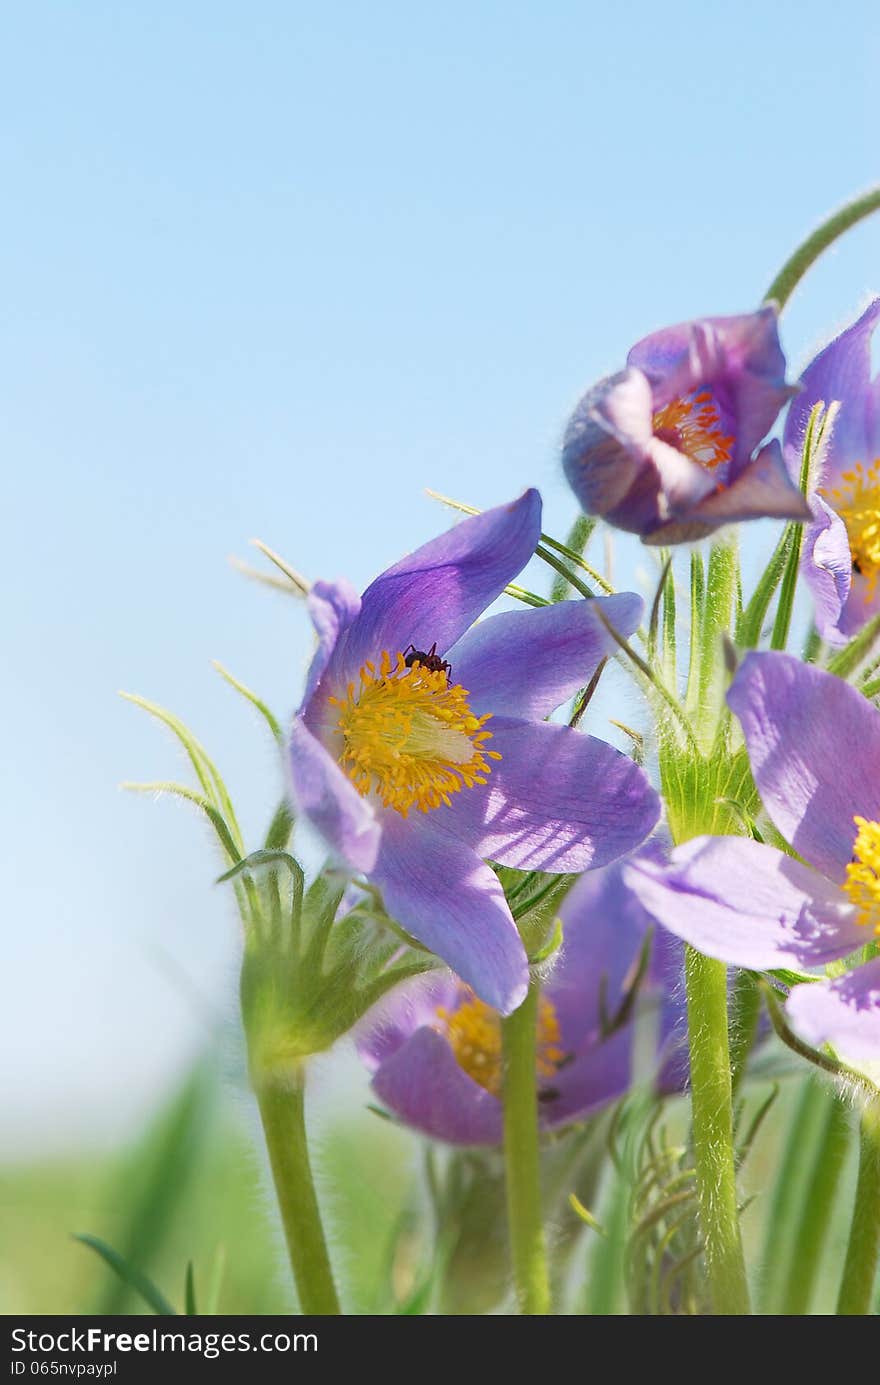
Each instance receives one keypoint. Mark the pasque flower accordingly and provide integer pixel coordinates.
(841, 550)
(814, 747)
(668, 448)
(435, 1050)
(421, 751)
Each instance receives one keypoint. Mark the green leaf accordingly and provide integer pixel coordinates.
(296, 579)
(270, 720)
(190, 1292)
(751, 622)
(816, 439)
(280, 828)
(214, 816)
(129, 1275)
(208, 775)
(216, 1284)
(259, 859)
(155, 1184)
(576, 542)
(846, 660)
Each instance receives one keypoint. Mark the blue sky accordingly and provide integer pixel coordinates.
(271, 269)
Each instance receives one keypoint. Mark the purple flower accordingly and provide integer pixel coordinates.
(668, 447)
(841, 552)
(435, 1050)
(421, 750)
(814, 747)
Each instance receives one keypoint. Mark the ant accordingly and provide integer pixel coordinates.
(430, 660)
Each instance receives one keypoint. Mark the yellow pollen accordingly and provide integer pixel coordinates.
(862, 882)
(410, 738)
(473, 1029)
(693, 426)
(857, 501)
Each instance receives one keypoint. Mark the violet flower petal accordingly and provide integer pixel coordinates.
(841, 372)
(814, 747)
(322, 793)
(604, 444)
(437, 592)
(747, 904)
(332, 606)
(738, 358)
(410, 1006)
(527, 663)
(826, 564)
(595, 1077)
(604, 929)
(844, 1012)
(556, 801)
(423, 1084)
(440, 891)
(762, 489)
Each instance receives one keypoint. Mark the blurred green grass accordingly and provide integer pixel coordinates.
(193, 1187)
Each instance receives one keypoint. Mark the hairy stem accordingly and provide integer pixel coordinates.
(712, 1116)
(282, 1111)
(527, 1247)
(826, 234)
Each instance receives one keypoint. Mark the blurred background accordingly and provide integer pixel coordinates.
(271, 270)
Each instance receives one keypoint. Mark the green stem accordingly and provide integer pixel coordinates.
(828, 1157)
(712, 1116)
(527, 1248)
(282, 1110)
(796, 266)
(857, 1285)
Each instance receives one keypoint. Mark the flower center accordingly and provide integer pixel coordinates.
(857, 501)
(692, 425)
(409, 737)
(473, 1030)
(862, 882)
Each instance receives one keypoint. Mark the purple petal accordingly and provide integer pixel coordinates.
(323, 794)
(604, 444)
(861, 606)
(605, 926)
(844, 1013)
(527, 663)
(739, 358)
(410, 1006)
(747, 904)
(332, 606)
(594, 1078)
(440, 891)
(437, 592)
(842, 372)
(556, 800)
(814, 746)
(763, 489)
(826, 564)
(424, 1085)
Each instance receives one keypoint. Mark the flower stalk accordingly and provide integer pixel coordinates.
(526, 1230)
(281, 1099)
(808, 252)
(712, 1116)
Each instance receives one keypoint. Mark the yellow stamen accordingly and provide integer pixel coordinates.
(862, 882)
(693, 426)
(857, 501)
(410, 738)
(473, 1030)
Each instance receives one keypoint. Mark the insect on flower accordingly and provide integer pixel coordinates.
(430, 660)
